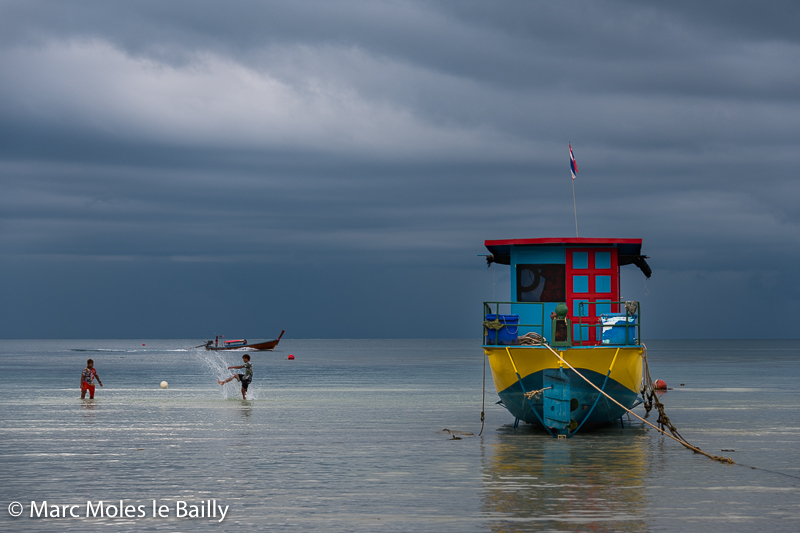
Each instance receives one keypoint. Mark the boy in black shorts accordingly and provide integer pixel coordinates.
(245, 378)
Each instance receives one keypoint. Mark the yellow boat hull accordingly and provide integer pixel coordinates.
(517, 370)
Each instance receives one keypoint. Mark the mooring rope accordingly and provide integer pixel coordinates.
(483, 399)
(530, 339)
(651, 399)
(532, 394)
(662, 419)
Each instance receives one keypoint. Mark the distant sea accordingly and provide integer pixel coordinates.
(348, 437)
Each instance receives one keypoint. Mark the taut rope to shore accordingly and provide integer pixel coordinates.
(650, 400)
(663, 419)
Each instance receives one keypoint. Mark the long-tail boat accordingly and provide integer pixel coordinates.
(565, 325)
(242, 344)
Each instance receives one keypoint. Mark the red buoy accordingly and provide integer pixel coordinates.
(291, 357)
(660, 384)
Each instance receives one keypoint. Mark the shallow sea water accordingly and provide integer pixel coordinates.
(348, 437)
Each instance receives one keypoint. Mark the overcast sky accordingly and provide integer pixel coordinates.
(332, 168)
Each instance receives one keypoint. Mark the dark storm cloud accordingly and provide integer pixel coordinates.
(357, 154)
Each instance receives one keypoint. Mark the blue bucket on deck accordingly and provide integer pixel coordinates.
(614, 328)
(505, 335)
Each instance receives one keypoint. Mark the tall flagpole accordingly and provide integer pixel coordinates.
(573, 167)
(575, 206)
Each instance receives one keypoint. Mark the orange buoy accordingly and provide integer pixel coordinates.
(660, 384)
(291, 357)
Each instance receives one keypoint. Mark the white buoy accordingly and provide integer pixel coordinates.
(164, 384)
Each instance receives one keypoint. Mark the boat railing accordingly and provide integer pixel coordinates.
(606, 327)
(503, 320)
(495, 316)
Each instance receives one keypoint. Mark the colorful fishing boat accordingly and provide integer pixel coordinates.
(242, 344)
(565, 342)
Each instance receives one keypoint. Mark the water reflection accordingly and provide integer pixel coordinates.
(246, 410)
(87, 410)
(593, 482)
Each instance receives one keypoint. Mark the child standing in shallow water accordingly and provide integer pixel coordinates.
(244, 379)
(88, 376)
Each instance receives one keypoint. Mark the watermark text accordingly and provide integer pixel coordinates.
(207, 509)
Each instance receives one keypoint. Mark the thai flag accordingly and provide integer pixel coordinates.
(572, 166)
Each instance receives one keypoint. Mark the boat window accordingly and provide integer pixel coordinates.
(580, 260)
(541, 283)
(602, 284)
(581, 310)
(580, 283)
(602, 260)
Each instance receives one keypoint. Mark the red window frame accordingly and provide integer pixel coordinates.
(592, 295)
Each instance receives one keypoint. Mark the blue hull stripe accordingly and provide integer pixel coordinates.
(603, 414)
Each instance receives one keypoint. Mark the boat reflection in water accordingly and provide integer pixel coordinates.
(595, 483)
